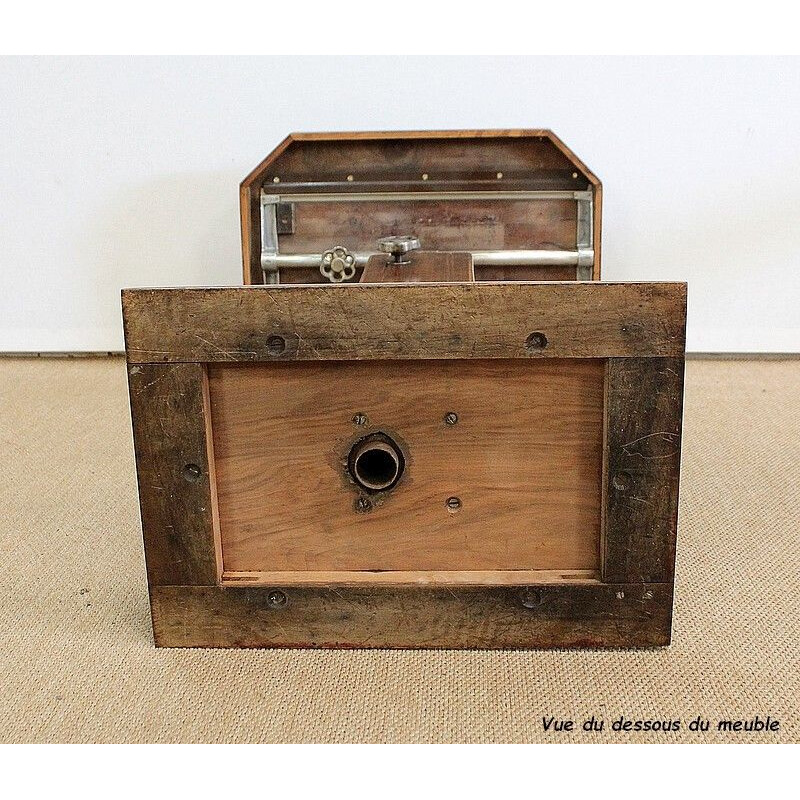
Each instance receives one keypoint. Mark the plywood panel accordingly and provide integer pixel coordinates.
(524, 458)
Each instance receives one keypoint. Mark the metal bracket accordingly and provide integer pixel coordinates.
(584, 234)
(269, 237)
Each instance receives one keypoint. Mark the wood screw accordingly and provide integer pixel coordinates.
(363, 504)
(530, 598)
(620, 595)
(536, 341)
(192, 473)
(276, 599)
(276, 345)
(359, 419)
(453, 503)
(621, 481)
(451, 418)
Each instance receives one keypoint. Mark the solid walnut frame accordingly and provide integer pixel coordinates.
(638, 329)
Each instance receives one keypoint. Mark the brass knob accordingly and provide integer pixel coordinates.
(399, 246)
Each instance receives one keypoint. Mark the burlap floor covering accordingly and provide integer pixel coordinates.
(77, 661)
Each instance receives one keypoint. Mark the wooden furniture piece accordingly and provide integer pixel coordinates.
(419, 459)
(521, 201)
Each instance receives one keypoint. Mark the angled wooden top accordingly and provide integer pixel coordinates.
(327, 157)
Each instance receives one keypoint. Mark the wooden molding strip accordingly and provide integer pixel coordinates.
(415, 578)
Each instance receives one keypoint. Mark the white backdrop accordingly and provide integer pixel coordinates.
(124, 172)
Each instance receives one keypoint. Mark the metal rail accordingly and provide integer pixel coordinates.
(272, 262)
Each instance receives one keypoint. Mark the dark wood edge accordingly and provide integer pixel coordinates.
(641, 468)
(623, 615)
(250, 218)
(598, 234)
(174, 467)
(258, 172)
(402, 321)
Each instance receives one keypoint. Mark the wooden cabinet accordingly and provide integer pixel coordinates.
(391, 442)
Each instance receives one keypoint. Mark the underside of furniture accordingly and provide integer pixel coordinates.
(518, 481)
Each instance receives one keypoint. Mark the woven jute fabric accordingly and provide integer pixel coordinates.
(77, 662)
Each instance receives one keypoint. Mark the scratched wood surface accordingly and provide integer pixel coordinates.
(603, 615)
(643, 456)
(390, 321)
(525, 459)
(175, 472)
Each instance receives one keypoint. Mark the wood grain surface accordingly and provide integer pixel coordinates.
(424, 267)
(524, 458)
(643, 459)
(174, 465)
(560, 615)
(440, 225)
(387, 321)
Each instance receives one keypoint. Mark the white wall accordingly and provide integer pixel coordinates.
(124, 172)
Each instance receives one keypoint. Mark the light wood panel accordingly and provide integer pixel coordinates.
(524, 458)
(516, 577)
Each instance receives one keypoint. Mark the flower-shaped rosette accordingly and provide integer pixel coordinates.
(338, 264)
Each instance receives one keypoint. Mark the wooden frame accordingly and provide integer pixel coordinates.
(637, 329)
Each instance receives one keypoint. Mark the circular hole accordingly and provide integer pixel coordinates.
(376, 463)
(536, 341)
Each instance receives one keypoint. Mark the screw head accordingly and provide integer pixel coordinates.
(453, 503)
(359, 419)
(363, 504)
(530, 598)
(192, 473)
(536, 341)
(451, 418)
(621, 481)
(276, 599)
(275, 344)
(620, 595)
